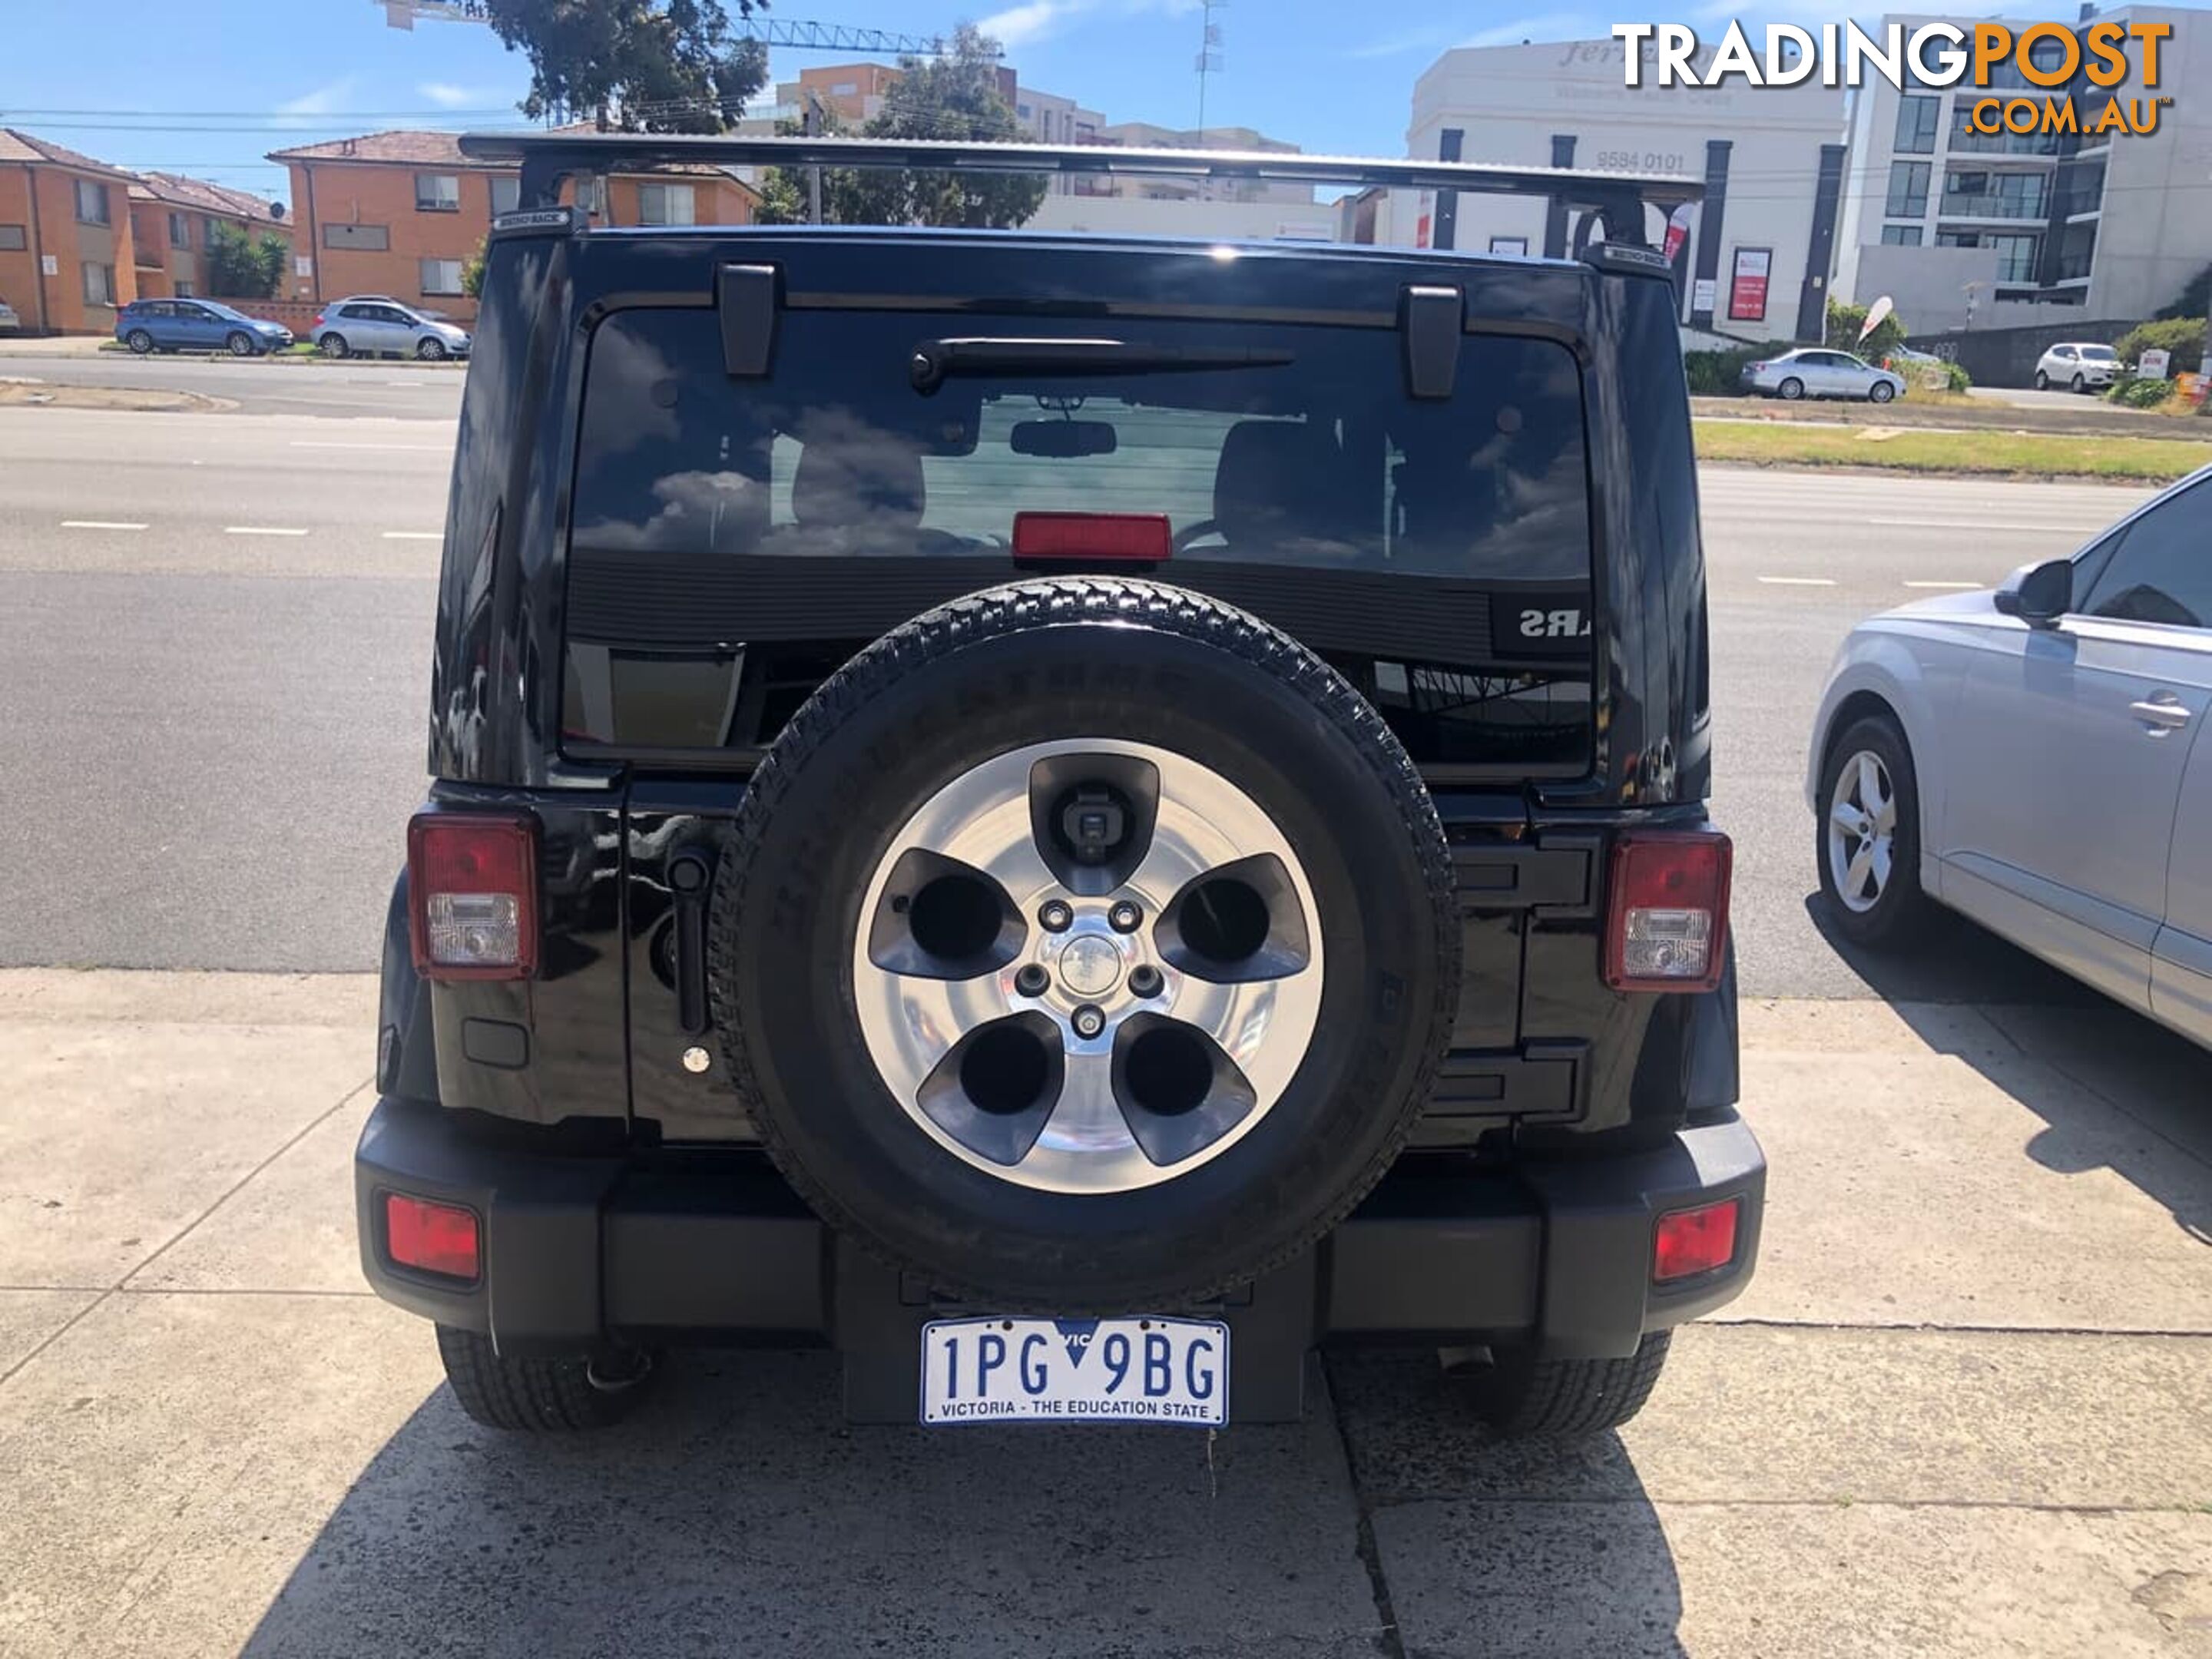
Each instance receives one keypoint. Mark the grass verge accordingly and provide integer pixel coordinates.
(2001, 454)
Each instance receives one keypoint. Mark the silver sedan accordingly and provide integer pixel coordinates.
(1817, 371)
(2030, 758)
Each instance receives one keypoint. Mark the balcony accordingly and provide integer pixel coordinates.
(2014, 209)
(2039, 145)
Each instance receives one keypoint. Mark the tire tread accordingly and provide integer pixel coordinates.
(1565, 1398)
(529, 1395)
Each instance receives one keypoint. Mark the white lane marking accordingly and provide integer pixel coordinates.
(1799, 582)
(414, 535)
(259, 530)
(99, 524)
(1961, 524)
(427, 449)
(1947, 584)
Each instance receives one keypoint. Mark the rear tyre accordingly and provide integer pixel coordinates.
(537, 1395)
(1866, 838)
(1791, 389)
(431, 351)
(1881, 391)
(333, 345)
(239, 345)
(139, 341)
(1520, 1396)
(2042, 381)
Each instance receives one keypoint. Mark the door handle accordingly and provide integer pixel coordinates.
(2162, 712)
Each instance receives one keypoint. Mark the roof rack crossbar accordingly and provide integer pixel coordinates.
(547, 160)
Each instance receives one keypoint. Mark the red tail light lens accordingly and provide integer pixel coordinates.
(1667, 925)
(1138, 538)
(431, 1238)
(472, 879)
(317, 323)
(1691, 1242)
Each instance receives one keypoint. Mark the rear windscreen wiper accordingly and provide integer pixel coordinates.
(934, 361)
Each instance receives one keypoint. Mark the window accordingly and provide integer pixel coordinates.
(1901, 236)
(506, 195)
(1916, 120)
(664, 204)
(437, 192)
(360, 238)
(184, 288)
(91, 203)
(2016, 256)
(98, 284)
(441, 275)
(845, 89)
(2064, 353)
(2162, 571)
(180, 231)
(1323, 464)
(1908, 190)
(12, 238)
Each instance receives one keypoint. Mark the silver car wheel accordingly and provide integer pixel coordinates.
(1087, 1042)
(1862, 831)
(430, 349)
(1792, 389)
(1881, 391)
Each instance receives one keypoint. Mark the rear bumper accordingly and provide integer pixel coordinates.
(717, 1248)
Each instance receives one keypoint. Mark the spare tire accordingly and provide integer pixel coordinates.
(1085, 946)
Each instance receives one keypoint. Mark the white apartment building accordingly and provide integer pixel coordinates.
(1754, 258)
(2060, 227)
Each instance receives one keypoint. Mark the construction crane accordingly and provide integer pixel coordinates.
(797, 34)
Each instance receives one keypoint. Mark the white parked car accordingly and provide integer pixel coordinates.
(2078, 367)
(373, 324)
(10, 322)
(1817, 371)
(2028, 757)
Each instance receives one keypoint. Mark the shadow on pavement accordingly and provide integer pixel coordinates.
(738, 1513)
(2114, 1088)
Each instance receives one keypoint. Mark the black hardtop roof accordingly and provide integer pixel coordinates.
(547, 159)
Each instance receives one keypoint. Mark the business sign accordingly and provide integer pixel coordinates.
(1747, 284)
(1701, 296)
(1513, 245)
(2151, 366)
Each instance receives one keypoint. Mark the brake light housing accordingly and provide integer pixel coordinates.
(472, 890)
(1667, 919)
(1111, 538)
(432, 1237)
(1689, 1242)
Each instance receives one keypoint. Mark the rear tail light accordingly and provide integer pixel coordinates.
(1666, 927)
(317, 323)
(1136, 538)
(472, 879)
(431, 1238)
(1691, 1242)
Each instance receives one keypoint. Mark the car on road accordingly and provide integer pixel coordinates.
(372, 325)
(2029, 758)
(2081, 366)
(10, 322)
(150, 325)
(1068, 817)
(1818, 372)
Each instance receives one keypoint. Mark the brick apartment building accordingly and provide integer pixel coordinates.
(400, 213)
(172, 218)
(65, 247)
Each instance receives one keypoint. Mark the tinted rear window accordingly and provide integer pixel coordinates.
(762, 515)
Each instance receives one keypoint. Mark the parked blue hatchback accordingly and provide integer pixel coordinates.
(147, 326)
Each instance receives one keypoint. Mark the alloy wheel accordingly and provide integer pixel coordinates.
(1862, 831)
(1088, 966)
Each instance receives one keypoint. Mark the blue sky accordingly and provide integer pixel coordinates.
(270, 73)
(230, 80)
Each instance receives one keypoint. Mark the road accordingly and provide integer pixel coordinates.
(395, 390)
(231, 697)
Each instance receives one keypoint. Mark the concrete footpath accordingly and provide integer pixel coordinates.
(1967, 1408)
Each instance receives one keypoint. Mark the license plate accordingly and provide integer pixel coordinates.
(1075, 1370)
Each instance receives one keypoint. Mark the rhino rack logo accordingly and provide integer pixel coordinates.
(1563, 624)
(1553, 623)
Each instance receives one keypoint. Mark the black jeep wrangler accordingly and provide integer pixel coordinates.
(1069, 818)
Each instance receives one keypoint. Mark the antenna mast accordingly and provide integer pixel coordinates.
(1209, 56)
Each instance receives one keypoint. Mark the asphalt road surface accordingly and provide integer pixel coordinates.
(213, 659)
(260, 386)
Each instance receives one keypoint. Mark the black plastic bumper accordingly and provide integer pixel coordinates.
(717, 1248)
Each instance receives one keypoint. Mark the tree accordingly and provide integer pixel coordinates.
(953, 96)
(1845, 322)
(243, 267)
(633, 66)
(472, 272)
(2194, 300)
